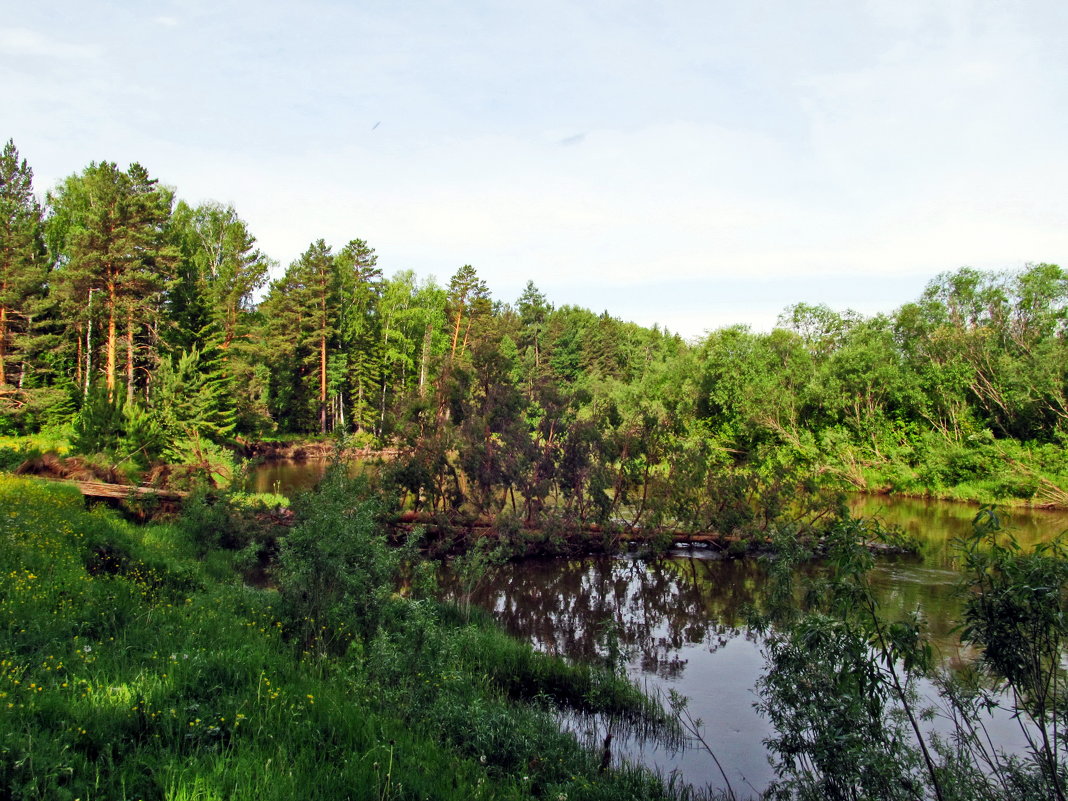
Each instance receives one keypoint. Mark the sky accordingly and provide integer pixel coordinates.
(689, 164)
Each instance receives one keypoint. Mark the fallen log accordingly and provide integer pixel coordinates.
(100, 489)
(438, 523)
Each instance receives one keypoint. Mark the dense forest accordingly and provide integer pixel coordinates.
(149, 329)
(139, 661)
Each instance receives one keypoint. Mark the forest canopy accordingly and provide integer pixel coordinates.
(128, 315)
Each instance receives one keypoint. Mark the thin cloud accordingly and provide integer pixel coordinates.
(569, 143)
(24, 42)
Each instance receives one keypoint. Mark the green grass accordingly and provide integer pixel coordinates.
(57, 440)
(130, 669)
(1008, 474)
(14, 450)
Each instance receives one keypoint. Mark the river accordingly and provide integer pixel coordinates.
(680, 620)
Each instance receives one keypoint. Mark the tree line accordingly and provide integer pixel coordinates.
(132, 315)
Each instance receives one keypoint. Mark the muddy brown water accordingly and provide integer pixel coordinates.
(680, 621)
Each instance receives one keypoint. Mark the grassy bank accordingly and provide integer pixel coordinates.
(982, 471)
(132, 669)
(16, 449)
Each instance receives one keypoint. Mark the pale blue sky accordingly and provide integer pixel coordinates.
(694, 164)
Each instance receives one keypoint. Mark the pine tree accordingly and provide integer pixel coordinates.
(210, 306)
(360, 289)
(23, 271)
(301, 308)
(468, 296)
(191, 398)
(534, 312)
(108, 228)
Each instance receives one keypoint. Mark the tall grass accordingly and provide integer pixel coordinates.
(129, 670)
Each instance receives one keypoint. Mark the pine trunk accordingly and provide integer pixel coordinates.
(3, 344)
(78, 357)
(322, 384)
(382, 412)
(129, 356)
(423, 360)
(467, 334)
(231, 327)
(456, 333)
(358, 410)
(112, 343)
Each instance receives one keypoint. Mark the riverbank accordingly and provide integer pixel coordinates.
(1049, 495)
(309, 450)
(1018, 483)
(132, 667)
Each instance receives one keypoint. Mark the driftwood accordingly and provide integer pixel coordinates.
(99, 489)
(313, 451)
(485, 525)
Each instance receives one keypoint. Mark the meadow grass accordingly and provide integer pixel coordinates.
(130, 670)
(14, 450)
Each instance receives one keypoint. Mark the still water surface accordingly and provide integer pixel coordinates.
(680, 619)
(681, 622)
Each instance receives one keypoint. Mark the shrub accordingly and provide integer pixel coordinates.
(335, 568)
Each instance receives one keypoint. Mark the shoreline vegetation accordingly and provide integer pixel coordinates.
(762, 516)
(47, 457)
(130, 329)
(140, 661)
(135, 662)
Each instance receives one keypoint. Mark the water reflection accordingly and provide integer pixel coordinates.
(658, 607)
(681, 620)
(285, 477)
(681, 623)
(937, 523)
(564, 606)
(289, 477)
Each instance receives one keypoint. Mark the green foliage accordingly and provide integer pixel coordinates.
(128, 671)
(533, 405)
(23, 292)
(839, 688)
(1016, 611)
(212, 519)
(187, 417)
(475, 566)
(219, 270)
(190, 397)
(335, 569)
(124, 429)
(828, 701)
(100, 423)
(143, 436)
(107, 230)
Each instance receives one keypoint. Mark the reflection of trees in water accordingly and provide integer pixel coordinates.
(658, 607)
(654, 609)
(938, 523)
(570, 607)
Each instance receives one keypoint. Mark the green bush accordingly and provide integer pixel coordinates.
(840, 681)
(127, 671)
(335, 568)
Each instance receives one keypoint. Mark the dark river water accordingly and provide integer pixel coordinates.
(680, 620)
